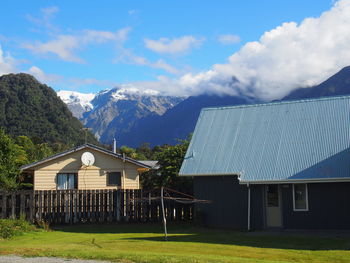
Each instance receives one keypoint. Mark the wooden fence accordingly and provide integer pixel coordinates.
(97, 206)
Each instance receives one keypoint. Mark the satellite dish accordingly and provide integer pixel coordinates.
(87, 158)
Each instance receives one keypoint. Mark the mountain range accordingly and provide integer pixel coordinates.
(134, 117)
(113, 113)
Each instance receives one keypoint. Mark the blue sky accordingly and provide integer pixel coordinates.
(88, 46)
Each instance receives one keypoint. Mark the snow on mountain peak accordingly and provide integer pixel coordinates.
(122, 93)
(74, 97)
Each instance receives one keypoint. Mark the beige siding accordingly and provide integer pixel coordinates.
(45, 180)
(93, 177)
(131, 180)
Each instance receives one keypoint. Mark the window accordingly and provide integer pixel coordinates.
(67, 181)
(114, 179)
(272, 195)
(300, 197)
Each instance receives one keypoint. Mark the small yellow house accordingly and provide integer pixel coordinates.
(86, 167)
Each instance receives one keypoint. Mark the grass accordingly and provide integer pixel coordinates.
(144, 243)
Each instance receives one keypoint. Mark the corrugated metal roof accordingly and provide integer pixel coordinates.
(292, 140)
(150, 163)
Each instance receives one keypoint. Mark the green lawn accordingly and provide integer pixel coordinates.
(144, 243)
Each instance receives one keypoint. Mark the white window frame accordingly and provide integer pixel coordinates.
(307, 199)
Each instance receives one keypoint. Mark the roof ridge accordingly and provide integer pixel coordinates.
(278, 102)
(78, 148)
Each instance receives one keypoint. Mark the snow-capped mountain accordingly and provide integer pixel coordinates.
(112, 113)
(77, 102)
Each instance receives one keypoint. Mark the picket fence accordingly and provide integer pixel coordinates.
(90, 206)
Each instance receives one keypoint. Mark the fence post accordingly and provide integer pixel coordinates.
(4, 201)
(31, 206)
(118, 204)
(13, 205)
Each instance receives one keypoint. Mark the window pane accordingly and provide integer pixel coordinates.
(66, 181)
(114, 179)
(70, 182)
(61, 181)
(300, 196)
(272, 196)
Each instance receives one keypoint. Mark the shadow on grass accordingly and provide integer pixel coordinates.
(110, 228)
(189, 233)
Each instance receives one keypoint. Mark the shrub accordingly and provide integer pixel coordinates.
(44, 225)
(13, 227)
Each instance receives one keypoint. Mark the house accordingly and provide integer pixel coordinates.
(86, 167)
(273, 165)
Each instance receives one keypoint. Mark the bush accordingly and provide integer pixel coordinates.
(13, 227)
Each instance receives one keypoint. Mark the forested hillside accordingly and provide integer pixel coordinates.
(30, 108)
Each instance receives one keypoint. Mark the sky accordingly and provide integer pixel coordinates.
(257, 48)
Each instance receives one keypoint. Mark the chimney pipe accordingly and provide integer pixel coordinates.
(114, 145)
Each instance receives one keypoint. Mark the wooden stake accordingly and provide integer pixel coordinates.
(164, 219)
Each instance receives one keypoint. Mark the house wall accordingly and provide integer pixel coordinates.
(228, 202)
(92, 177)
(328, 204)
(328, 207)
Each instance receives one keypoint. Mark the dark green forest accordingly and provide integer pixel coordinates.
(15, 152)
(30, 108)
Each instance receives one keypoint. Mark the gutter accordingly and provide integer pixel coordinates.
(316, 180)
(216, 174)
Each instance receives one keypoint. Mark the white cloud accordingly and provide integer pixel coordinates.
(285, 58)
(173, 46)
(42, 76)
(229, 39)
(45, 21)
(78, 82)
(49, 11)
(71, 83)
(161, 64)
(66, 46)
(7, 63)
(95, 36)
(132, 12)
(127, 56)
(63, 46)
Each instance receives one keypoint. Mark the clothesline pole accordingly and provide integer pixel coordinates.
(164, 219)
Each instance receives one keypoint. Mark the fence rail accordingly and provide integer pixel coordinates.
(98, 206)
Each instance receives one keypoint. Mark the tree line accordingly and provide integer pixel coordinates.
(169, 159)
(21, 150)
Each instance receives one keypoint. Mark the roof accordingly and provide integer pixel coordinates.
(153, 164)
(88, 146)
(273, 142)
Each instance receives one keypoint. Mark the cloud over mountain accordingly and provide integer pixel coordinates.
(290, 56)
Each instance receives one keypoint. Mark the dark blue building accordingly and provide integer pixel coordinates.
(284, 164)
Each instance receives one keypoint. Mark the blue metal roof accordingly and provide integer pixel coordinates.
(292, 140)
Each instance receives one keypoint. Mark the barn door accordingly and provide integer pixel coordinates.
(273, 206)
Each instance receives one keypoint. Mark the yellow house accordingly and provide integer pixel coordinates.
(86, 167)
